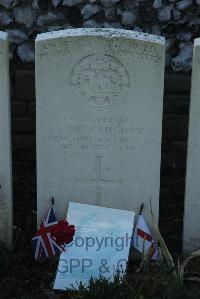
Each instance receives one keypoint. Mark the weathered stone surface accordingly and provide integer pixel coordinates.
(157, 4)
(6, 3)
(176, 14)
(128, 18)
(55, 3)
(23, 15)
(17, 36)
(110, 13)
(26, 52)
(49, 18)
(89, 10)
(156, 29)
(164, 14)
(184, 4)
(5, 146)
(5, 17)
(183, 61)
(91, 24)
(192, 203)
(115, 25)
(71, 2)
(99, 118)
(109, 3)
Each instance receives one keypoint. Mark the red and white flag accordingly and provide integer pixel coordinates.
(143, 240)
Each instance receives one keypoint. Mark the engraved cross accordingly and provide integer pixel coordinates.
(98, 180)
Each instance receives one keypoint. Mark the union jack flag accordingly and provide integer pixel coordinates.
(44, 243)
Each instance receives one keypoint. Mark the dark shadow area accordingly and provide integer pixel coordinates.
(174, 151)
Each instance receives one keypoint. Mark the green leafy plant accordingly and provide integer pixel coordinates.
(180, 272)
(165, 251)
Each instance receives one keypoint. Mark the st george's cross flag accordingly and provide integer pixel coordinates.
(143, 240)
(44, 242)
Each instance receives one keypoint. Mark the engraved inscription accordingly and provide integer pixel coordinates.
(103, 135)
(137, 50)
(101, 79)
(55, 48)
(98, 180)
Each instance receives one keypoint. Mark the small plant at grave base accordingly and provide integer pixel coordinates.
(143, 285)
(183, 274)
(180, 274)
(103, 288)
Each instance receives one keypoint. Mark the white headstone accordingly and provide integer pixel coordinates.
(191, 239)
(99, 118)
(5, 145)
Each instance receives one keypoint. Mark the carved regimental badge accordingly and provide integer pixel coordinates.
(100, 79)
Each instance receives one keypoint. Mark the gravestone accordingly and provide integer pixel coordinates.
(99, 118)
(191, 239)
(5, 145)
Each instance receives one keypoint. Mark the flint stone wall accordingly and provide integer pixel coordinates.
(177, 20)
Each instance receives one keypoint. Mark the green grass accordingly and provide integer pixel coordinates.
(152, 284)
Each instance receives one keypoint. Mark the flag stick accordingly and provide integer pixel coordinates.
(137, 222)
(135, 228)
(141, 209)
(140, 213)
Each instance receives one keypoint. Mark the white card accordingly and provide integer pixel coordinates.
(100, 247)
